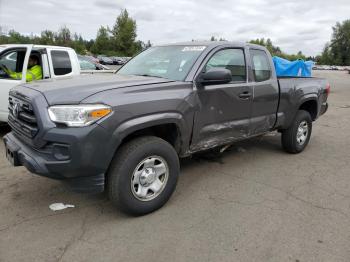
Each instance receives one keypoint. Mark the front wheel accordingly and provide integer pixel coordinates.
(143, 175)
(297, 136)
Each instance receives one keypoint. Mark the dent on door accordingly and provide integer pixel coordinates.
(222, 118)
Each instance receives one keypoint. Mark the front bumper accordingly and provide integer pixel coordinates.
(76, 155)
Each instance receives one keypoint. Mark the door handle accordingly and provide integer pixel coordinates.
(245, 95)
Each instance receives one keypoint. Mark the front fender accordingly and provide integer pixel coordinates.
(130, 126)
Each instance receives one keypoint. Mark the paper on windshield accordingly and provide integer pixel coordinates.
(193, 48)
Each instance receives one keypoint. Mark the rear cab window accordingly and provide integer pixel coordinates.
(231, 59)
(261, 65)
(61, 62)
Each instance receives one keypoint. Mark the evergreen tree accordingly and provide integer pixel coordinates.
(102, 43)
(124, 35)
(337, 52)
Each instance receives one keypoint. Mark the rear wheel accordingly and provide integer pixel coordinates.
(143, 175)
(297, 136)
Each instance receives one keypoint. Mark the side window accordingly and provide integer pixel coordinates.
(13, 61)
(61, 63)
(231, 59)
(261, 65)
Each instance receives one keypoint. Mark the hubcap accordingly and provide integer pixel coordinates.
(149, 178)
(303, 131)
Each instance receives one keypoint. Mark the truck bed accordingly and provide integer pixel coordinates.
(294, 90)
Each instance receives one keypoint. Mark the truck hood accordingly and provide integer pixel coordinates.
(74, 89)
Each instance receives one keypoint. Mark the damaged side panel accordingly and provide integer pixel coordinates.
(222, 116)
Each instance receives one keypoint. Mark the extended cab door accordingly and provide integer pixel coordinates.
(225, 109)
(265, 92)
(16, 59)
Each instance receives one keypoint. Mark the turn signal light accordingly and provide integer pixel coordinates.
(100, 113)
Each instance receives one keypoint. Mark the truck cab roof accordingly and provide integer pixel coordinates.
(214, 44)
(3, 47)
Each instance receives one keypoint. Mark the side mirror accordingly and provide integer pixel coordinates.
(216, 76)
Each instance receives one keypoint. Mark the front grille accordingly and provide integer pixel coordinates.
(22, 117)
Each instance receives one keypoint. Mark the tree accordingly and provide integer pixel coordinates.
(78, 44)
(326, 57)
(124, 35)
(276, 51)
(121, 40)
(148, 44)
(337, 52)
(16, 38)
(47, 37)
(103, 41)
(63, 36)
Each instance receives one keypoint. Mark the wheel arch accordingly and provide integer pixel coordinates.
(310, 104)
(171, 127)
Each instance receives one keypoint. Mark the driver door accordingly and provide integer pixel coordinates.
(15, 59)
(225, 109)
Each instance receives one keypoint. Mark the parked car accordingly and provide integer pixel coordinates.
(126, 59)
(87, 64)
(56, 62)
(118, 60)
(104, 60)
(102, 67)
(125, 132)
(93, 59)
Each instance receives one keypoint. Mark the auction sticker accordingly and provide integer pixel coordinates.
(193, 48)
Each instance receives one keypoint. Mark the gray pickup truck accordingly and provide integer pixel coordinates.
(125, 132)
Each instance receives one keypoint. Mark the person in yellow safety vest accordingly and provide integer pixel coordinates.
(34, 71)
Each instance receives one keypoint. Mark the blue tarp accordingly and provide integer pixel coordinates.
(292, 68)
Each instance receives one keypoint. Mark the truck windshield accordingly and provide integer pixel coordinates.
(171, 62)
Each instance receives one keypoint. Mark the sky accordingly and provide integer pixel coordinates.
(292, 25)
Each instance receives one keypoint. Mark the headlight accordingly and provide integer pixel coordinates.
(78, 115)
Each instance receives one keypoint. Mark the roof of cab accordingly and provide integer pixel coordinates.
(213, 44)
(33, 46)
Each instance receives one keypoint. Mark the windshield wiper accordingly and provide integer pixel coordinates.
(147, 75)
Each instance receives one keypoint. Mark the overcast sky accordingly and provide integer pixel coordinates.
(293, 25)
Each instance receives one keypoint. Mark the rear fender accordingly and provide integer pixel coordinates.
(314, 98)
(285, 119)
(308, 97)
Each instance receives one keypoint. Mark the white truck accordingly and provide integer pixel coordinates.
(56, 62)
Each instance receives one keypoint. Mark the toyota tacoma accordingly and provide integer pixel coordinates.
(125, 132)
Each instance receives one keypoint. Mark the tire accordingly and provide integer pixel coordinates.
(135, 166)
(294, 140)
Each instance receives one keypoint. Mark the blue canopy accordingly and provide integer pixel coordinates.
(292, 68)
